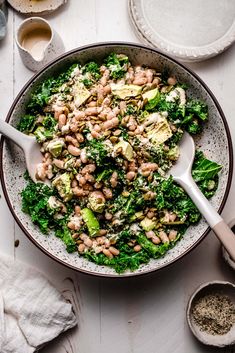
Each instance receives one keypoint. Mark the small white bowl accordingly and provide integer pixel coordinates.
(221, 287)
(225, 254)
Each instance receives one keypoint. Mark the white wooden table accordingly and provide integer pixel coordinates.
(137, 315)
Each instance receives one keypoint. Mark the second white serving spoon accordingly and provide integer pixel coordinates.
(182, 174)
(28, 144)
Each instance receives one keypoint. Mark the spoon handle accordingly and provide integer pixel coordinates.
(216, 222)
(16, 136)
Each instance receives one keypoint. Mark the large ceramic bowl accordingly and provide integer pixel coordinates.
(215, 141)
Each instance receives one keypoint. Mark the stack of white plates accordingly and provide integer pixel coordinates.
(189, 30)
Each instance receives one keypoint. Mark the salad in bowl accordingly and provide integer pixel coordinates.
(109, 133)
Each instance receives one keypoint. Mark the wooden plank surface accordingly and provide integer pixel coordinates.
(144, 314)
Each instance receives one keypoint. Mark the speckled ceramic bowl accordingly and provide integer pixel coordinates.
(215, 141)
(215, 287)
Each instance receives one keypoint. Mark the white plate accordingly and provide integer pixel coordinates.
(34, 7)
(187, 29)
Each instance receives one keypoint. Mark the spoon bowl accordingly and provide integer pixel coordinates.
(187, 153)
(181, 173)
(27, 143)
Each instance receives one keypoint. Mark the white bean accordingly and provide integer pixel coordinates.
(139, 81)
(62, 120)
(113, 250)
(91, 111)
(172, 234)
(77, 210)
(131, 175)
(113, 179)
(78, 192)
(107, 193)
(155, 240)
(107, 253)
(74, 151)
(58, 163)
(89, 168)
(83, 156)
(79, 137)
(163, 236)
(149, 234)
(110, 124)
(171, 81)
(81, 248)
(137, 248)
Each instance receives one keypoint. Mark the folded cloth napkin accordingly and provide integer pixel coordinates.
(32, 311)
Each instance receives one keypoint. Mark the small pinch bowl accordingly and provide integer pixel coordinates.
(214, 287)
(215, 141)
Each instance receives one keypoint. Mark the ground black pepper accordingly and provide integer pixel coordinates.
(214, 314)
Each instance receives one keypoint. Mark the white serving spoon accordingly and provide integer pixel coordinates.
(181, 173)
(28, 144)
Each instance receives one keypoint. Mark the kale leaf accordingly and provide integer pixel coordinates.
(173, 198)
(27, 123)
(204, 169)
(117, 64)
(197, 109)
(35, 198)
(97, 151)
(153, 250)
(49, 122)
(92, 68)
(127, 259)
(205, 173)
(128, 205)
(43, 92)
(64, 234)
(35, 202)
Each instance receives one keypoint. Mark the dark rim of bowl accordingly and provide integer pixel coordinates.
(110, 44)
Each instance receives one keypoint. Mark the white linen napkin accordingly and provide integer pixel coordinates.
(32, 311)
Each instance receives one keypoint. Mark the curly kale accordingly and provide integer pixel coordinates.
(92, 68)
(128, 259)
(197, 108)
(173, 198)
(117, 64)
(128, 205)
(49, 122)
(97, 151)
(42, 94)
(205, 173)
(35, 198)
(27, 123)
(35, 202)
